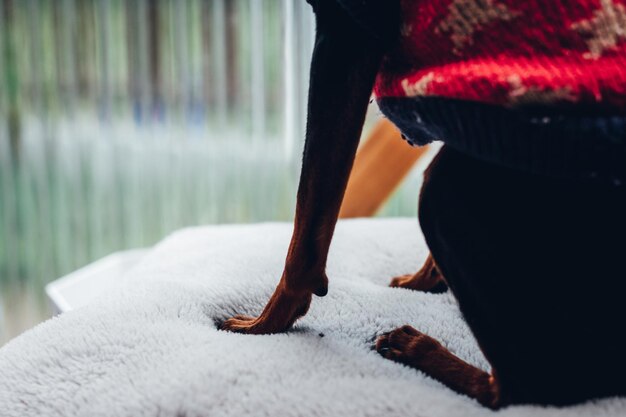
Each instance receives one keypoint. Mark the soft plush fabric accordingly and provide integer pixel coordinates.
(153, 349)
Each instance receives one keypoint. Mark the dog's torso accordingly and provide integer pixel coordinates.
(523, 209)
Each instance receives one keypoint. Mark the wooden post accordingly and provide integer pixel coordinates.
(381, 164)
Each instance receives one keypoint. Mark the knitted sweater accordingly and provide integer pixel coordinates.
(538, 85)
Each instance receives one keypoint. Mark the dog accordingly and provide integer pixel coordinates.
(528, 231)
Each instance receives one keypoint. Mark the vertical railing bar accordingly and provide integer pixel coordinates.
(4, 191)
(194, 17)
(289, 80)
(258, 70)
(181, 37)
(27, 170)
(9, 198)
(69, 75)
(103, 22)
(219, 53)
(137, 200)
(206, 76)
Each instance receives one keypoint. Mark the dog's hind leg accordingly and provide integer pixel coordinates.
(519, 252)
(428, 279)
(410, 347)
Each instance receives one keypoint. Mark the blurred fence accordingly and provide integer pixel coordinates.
(122, 120)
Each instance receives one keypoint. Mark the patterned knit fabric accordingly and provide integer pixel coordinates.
(510, 53)
(535, 85)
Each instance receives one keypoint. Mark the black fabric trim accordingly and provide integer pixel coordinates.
(545, 141)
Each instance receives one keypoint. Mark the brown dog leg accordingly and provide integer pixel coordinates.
(428, 278)
(346, 59)
(417, 350)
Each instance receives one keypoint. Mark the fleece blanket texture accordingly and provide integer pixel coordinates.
(153, 348)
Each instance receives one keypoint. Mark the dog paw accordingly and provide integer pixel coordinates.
(428, 279)
(403, 281)
(407, 345)
(240, 324)
(417, 282)
(281, 311)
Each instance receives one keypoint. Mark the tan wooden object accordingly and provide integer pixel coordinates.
(381, 164)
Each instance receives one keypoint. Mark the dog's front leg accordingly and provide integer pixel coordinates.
(344, 66)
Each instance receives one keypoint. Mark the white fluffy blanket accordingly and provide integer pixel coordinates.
(153, 349)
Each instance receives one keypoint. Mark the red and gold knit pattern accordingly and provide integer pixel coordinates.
(510, 52)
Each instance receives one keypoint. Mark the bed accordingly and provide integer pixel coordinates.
(151, 347)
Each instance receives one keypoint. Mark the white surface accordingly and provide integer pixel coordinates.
(152, 348)
(84, 285)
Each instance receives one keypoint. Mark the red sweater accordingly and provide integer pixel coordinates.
(510, 52)
(535, 85)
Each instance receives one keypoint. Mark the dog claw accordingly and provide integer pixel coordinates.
(321, 291)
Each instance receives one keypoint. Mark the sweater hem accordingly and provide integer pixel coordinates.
(574, 142)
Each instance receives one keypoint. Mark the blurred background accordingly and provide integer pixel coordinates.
(123, 120)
